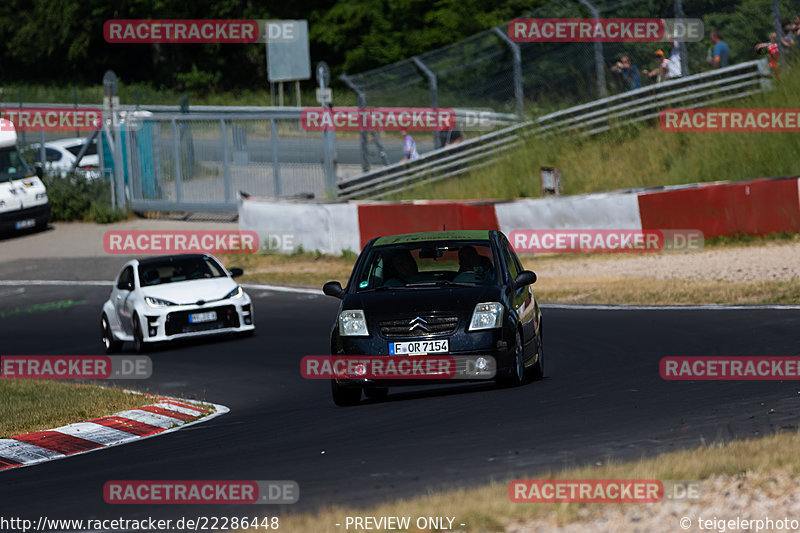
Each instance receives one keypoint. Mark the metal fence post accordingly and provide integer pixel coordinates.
(682, 45)
(433, 87)
(176, 155)
(776, 9)
(599, 62)
(517, 59)
(362, 102)
(226, 167)
(276, 166)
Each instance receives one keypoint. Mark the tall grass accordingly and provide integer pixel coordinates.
(636, 156)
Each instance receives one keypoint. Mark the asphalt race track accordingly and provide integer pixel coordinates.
(603, 397)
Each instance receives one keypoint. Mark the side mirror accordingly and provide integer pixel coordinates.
(333, 288)
(526, 277)
(236, 272)
(39, 172)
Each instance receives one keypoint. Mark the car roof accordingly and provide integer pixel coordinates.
(452, 235)
(167, 258)
(64, 143)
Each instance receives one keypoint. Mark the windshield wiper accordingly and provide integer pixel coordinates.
(440, 283)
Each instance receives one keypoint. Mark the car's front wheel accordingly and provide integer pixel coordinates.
(537, 372)
(516, 375)
(138, 336)
(345, 396)
(109, 342)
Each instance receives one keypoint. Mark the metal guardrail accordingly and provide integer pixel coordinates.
(699, 90)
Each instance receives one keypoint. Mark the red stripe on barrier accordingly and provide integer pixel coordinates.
(167, 412)
(57, 442)
(376, 220)
(758, 207)
(127, 425)
(184, 405)
(8, 463)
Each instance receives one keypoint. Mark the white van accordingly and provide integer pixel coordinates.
(23, 197)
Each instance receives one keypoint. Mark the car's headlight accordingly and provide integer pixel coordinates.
(352, 323)
(235, 293)
(41, 195)
(487, 315)
(157, 302)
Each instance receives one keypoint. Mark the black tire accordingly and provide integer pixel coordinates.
(537, 372)
(345, 396)
(376, 393)
(138, 337)
(245, 334)
(516, 375)
(109, 342)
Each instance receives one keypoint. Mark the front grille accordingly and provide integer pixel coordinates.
(435, 324)
(178, 322)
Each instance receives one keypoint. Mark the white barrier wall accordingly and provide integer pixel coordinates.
(283, 226)
(588, 211)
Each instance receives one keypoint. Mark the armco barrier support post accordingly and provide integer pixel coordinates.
(434, 89)
(276, 167)
(517, 59)
(226, 167)
(176, 156)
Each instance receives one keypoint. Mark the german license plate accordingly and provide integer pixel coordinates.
(209, 316)
(24, 224)
(419, 347)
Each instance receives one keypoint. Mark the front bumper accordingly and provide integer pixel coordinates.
(40, 214)
(491, 343)
(174, 322)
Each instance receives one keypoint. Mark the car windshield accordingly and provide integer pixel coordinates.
(439, 263)
(75, 149)
(12, 166)
(173, 269)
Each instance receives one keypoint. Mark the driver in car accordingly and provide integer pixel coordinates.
(405, 269)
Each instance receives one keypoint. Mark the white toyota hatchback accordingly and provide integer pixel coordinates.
(171, 297)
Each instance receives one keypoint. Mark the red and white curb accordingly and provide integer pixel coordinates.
(164, 416)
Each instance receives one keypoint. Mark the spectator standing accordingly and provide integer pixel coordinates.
(631, 78)
(772, 52)
(721, 55)
(409, 147)
(661, 72)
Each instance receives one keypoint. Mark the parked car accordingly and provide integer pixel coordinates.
(61, 155)
(171, 297)
(23, 197)
(460, 293)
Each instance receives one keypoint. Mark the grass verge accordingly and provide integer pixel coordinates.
(496, 512)
(33, 405)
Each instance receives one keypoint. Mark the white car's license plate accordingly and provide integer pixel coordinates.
(23, 224)
(419, 347)
(209, 316)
